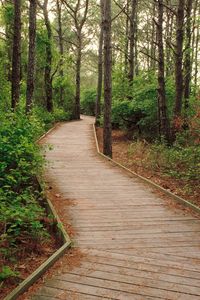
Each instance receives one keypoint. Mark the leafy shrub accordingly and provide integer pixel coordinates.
(20, 162)
(178, 162)
(88, 102)
(7, 272)
(61, 115)
(47, 119)
(135, 107)
(67, 94)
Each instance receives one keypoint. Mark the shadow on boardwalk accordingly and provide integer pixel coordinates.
(136, 247)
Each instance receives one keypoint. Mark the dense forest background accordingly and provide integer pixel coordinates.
(133, 64)
(52, 56)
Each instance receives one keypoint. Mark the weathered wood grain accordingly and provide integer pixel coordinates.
(136, 245)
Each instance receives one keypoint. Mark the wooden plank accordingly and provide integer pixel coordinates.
(135, 245)
(149, 265)
(115, 287)
(145, 274)
(133, 280)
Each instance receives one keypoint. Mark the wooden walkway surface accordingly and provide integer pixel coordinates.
(136, 246)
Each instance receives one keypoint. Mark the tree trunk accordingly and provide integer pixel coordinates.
(197, 53)
(61, 47)
(107, 131)
(16, 55)
(188, 62)
(179, 59)
(78, 78)
(132, 41)
(126, 50)
(136, 46)
(164, 121)
(31, 55)
(48, 66)
(168, 38)
(9, 42)
(79, 22)
(153, 38)
(100, 72)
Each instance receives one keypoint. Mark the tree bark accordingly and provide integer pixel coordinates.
(16, 55)
(196, 72)
(136, 46)
(126, 50)
(9, 41)
(31, 55)
(169, 34)
(164, 121)
(78, 77)
(188, 62)
(48, 66)
(100, 71)
(179, 59)
(132, 41)
(61, 46)
(107, 130)
(153, 38)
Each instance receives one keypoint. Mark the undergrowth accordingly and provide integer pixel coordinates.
(178, 162)
(22, 218)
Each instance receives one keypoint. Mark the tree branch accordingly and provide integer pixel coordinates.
(150, 56)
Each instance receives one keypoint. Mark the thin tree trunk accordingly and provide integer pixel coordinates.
(31, 55)
(100, 72)
(9, 43)
(164, 121)
(126, 50)
(179, 59)
(196, 54)
(168, 38)
(79, 22)
(153, 37)
(195, 11)
(61, 47)
(136, 45)
(107, 131)
(188, 62)
(48, 66)
(132, 41)
(78, 78)
(16, 55)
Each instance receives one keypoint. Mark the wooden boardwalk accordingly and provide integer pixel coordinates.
(136, 246)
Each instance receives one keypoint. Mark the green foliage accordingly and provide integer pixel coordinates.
(88, 102)
(7, 13)
(178, 162)
(7, 272)
(135, 106)
(47, 119)
(65, 86)
(20, 163)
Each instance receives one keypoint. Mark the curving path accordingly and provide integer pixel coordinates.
(136, 246)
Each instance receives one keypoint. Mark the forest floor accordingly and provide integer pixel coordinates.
(123, 155)
(27, 262)
(72, 258)
(29, 255)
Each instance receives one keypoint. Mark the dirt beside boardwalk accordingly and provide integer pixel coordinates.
(121, 154)
(73, 256)
(30, 256)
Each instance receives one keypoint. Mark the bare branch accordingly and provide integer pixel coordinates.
(150, 56)
(122, 10)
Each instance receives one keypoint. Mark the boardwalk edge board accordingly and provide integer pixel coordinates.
(31, 279)
(149, 182)
(48, 132)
